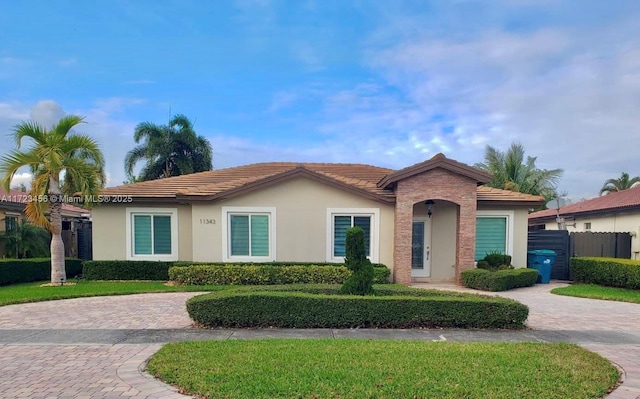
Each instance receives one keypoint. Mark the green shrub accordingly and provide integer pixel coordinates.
(257, 275)
(495, 260)
(126, 270)
(191, 263)
(150, 270)
(483, 264)
(266, 275)
(500, 280)
(288, 307)
(360, 282)
(613, 272)
(13, 271)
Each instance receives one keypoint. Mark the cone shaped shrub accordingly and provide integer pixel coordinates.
(361, 281)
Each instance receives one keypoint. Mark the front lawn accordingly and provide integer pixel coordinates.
(33, 292)
(343, 368)
(594, 291)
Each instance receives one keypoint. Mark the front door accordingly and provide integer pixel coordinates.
(421, 248)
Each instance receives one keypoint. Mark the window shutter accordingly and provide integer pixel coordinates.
(340, 226)
(259, 235)
(364, 222)
(142, 235)
(491, 235)
(162, 235)
(239, 235)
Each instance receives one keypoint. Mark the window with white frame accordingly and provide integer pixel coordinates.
(494, 233)
(248, 234)
(339, 220)
(152, 234)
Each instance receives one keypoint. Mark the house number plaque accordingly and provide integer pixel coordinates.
(207, 221)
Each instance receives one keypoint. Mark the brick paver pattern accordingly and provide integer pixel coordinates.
(113, 371)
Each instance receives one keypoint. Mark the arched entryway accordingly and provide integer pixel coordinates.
(433, 241)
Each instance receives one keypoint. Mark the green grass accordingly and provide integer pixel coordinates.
(330, 368)
(32, 292)
(594, 291)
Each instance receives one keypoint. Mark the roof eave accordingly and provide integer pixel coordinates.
(598, 212)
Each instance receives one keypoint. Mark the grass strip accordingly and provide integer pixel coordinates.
(344, 368)
(594, 291)
(33, 292)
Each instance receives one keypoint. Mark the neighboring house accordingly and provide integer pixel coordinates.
(12, 205)
(420, 221)
(617, 212)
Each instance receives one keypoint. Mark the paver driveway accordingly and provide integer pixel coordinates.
(39, 360)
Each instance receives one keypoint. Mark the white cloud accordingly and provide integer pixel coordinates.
(20, 179)
(570, 96)
(47, 113)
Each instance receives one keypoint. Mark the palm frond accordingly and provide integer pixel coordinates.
(64, 125)
(31, 130)
(14, 160)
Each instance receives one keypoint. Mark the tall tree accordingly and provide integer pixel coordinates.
(511, 171)
(169, 150)
(51, 153)
(624, 182)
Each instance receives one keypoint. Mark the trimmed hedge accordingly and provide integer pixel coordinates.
(613, 272)
(304, 308)
(152, 270)
(500, 280)
(185, 264)
(266, 275)
(14, 271)
(126, 270)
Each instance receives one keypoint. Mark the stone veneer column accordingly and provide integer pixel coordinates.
(436, 184)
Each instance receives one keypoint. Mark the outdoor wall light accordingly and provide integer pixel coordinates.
(429, 204)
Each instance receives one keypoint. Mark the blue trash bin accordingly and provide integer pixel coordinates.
(542, 260)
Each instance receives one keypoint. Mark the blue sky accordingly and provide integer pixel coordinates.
(383, 83)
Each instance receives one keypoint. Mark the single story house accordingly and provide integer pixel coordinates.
(427, 222)
(12, 205)
(617, 212)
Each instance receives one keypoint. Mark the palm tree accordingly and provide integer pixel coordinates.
(26, 241)
(623, 183)
(52, 152)
(169, 150)
(512, 172)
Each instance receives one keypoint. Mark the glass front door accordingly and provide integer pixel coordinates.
(421, 248)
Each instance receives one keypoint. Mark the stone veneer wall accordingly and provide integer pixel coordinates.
(436, 184)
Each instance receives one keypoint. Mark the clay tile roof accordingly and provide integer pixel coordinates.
(216, 183)
(610, 203)
(226, 183)
(494, 194)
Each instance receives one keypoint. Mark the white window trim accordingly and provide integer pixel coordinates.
(510, 216)
(226, 250)
(374, 245)
(172, 212)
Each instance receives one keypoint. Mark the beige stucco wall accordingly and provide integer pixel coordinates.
(301, 220)
(108, 230)
(520, 231)
(621, 223)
